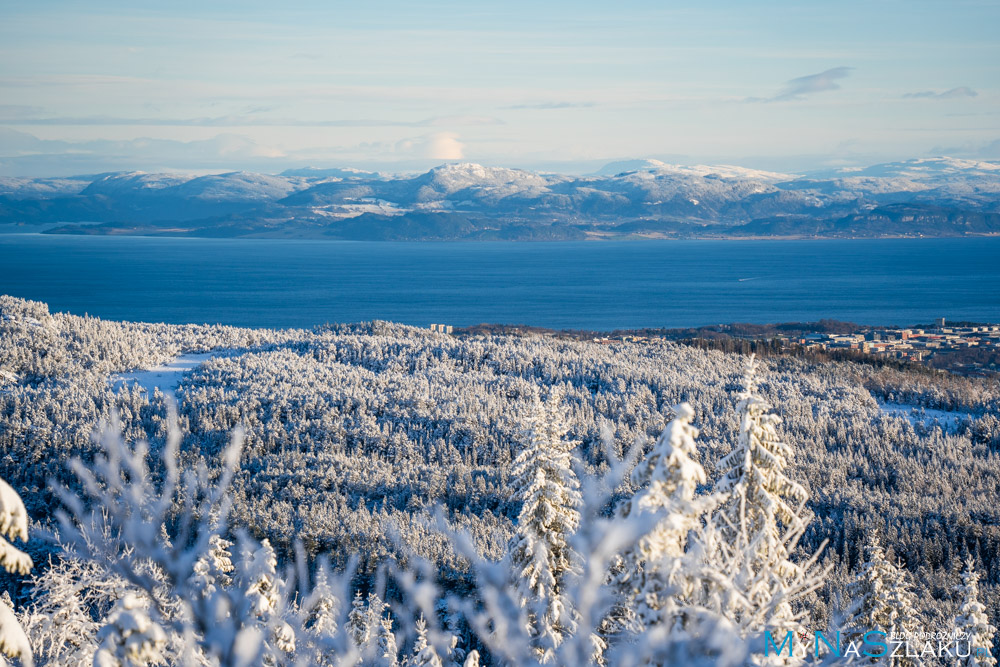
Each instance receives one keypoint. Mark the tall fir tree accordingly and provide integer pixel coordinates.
(667, 480)
(357, 622)
(322, 605)
(762, 500)
(260, 576)
(764, 514)
(756, 529)
(373, 615)
(973, 622)
(881, 600)
(424, 654)
(540, 555)
(387, 647)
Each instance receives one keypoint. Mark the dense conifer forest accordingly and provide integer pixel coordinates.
(380, 494)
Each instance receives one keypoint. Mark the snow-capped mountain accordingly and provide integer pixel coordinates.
(236, 186)
(451, 178)
(724, 170)
(932, 196)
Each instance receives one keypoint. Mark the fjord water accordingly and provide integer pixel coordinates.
(591, 285)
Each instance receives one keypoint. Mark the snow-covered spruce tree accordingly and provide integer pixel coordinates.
(260, 577)
(321, 608)
(261, 572)
(373, 617)
(424, 654)
(540, 556)
(322, 618)
(737, 570)
(364, 624)
(905, 616)
(678, 589)
(388, 651)
(973, 622)
(762, 520)
(357, 621)
(880, 600)
(761, 498)
(652, 575)
(13, 525)
(456, 653)
(370, 631)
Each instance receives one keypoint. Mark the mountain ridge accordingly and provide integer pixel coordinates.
(468, 201)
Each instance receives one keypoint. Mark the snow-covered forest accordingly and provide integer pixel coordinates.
(378, 494)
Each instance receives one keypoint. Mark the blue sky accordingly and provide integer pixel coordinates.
(555, 85)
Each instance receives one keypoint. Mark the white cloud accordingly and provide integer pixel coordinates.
(437, 146)
(444, 146)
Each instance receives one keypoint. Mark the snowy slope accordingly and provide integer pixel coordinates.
(166, 376)
(723, 170)
(41, 188)
(240, 186)
(131, 183)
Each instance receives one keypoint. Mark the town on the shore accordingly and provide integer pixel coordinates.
(912, 344)
(965, 348)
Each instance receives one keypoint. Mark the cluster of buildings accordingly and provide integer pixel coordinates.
(627, 338)
(908, 344)
(443, 328)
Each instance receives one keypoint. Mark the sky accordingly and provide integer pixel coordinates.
(556, 86)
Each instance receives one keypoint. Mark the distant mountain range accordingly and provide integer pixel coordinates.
(632, 199)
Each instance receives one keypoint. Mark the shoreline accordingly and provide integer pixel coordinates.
(591, 237)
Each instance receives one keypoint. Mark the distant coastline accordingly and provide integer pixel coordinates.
(81, 229)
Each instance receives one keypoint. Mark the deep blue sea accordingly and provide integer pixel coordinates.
(592, 285)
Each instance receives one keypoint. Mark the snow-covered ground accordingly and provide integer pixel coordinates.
(165, 377)
(916, 415)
